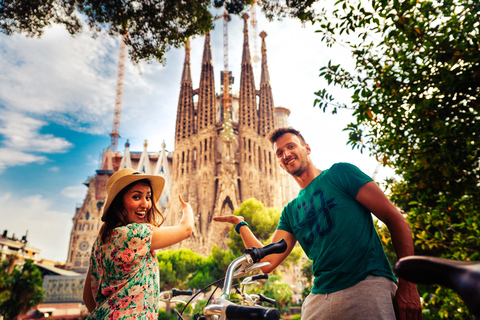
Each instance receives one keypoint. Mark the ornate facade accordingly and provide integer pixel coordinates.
(221, 157)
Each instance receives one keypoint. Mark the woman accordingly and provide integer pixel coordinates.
(123, 278)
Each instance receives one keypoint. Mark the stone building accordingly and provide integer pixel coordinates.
(221, 157)
(18, 248)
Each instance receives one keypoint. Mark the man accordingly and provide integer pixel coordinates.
(331, 219)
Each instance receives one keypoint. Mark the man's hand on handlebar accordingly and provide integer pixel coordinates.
(407, 302)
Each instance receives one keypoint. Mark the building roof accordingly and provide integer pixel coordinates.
(54, 271)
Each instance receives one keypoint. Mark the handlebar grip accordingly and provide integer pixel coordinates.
(266, 299)
(258, 253)
(234, 312)
(176, 292)
(260, 277)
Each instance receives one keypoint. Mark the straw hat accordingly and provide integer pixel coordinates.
(123, 178)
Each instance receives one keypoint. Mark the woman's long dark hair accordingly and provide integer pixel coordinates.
(116, 215)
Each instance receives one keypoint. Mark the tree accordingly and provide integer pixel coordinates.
(414, 95)
(281, 292)
(150, 28)
(263, 222)
(32, 17)
(211, 268)
(176, 268)
(20, 290)
(185, 269)
(307, 271)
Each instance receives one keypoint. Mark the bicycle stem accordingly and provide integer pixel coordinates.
(227, 285)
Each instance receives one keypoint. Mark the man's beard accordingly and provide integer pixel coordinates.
(299, 171)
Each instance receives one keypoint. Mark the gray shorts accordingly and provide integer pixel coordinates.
(369, 299)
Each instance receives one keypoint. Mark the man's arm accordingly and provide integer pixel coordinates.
(407, 299)
(250, 240)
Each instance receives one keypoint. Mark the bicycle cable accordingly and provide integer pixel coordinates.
(200, 291)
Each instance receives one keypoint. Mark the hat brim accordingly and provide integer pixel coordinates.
(157, 183)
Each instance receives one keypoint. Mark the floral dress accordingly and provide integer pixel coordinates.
(124, 275)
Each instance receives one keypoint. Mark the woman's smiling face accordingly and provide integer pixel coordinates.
(138, 201)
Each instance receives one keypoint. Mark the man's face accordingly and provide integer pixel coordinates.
(291, 154)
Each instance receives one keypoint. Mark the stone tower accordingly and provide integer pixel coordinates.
(221, 157)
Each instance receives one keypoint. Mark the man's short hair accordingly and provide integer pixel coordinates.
(277, 133)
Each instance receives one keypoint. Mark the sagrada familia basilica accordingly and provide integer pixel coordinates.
(221, 157)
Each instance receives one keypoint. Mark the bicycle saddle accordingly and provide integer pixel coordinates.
(463, 277)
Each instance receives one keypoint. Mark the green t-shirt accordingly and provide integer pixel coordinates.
(335, 231)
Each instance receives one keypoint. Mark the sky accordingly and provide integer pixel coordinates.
(57, 98)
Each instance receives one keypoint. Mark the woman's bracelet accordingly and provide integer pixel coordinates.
(239, 225)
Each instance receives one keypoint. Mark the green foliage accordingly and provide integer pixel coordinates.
(176, 267)
(185, 269)
(199, 306)
(153, 27)
(294, 257)
(32, 17)
(20, 290)
(307, 271)
(281, 292)
(415, 90)
(163, 315)
(211, 268)
(262, 221)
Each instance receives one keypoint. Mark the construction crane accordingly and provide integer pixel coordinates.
(118, 97)
(226, 77)
(253, 22)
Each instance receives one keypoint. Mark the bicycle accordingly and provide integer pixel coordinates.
(461, 276)
(223, 308)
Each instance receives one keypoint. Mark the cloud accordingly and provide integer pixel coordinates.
(48, 230)
(22, 133)
(10, 157)
(67, 79)
(22, 141)
(74, 192)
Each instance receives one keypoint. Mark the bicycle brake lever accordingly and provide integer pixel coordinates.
(165, 296)
(178, 301)
(249, 300)
(244, 283)
(257, 265)
(240, 272)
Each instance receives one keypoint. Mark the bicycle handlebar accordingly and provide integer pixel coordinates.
(176, 292)
(262, 298)
(258, 253)
(235, 312)
(260, 277)
(463, 277)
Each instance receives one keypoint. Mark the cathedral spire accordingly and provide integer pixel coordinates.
(246, 48)
(266, 112)
(187, 74)
(144, 163)
(265, 78)
(247, 98)
(185, 111)
(126, 161)
(206, 96)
